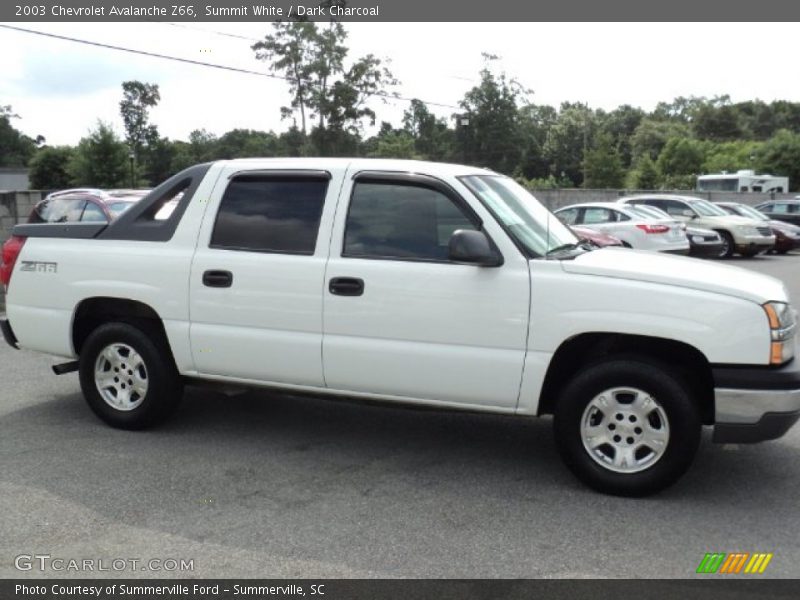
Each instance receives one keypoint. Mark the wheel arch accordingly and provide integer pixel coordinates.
(587, 348)
(93, 312)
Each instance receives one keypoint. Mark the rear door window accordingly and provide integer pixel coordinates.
(260, 213)
(593, 215)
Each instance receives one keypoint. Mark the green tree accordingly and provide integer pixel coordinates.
(391, 143)
(731, 156)
(100, 160)
(433, 139)
(644, 176)
(535, 122)
(620, 123)
(780, 155)
(312, 59)
(243, 143)
(650, 137)
(488, 132)
(602, 164)
(137, 100)
(48, 168)
(16, 148)
(568, 139)
(681, 156)
(289, 50)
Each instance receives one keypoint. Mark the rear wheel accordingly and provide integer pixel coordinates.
(128, 376)
(627, 427)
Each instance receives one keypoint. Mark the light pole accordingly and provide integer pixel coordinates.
(132, 157)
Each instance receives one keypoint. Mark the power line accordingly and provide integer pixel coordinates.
(201, 63)
(252, 39)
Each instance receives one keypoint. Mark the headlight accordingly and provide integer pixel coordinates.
(782, 325)
(697, 239)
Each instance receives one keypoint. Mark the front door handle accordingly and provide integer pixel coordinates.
(219, 279)
(346, 286)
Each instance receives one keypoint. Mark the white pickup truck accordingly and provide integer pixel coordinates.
(413, 282)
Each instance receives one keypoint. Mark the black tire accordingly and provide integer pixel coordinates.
(782, 251)
(728, 245)
(663, 386)
(164, 387)
(750, 253)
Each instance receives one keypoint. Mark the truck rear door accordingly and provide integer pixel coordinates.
(257, 275)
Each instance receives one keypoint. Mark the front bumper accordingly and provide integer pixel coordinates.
(8, 334)
(786, 244)
(754, 404)
(760, 243)
(706, 249)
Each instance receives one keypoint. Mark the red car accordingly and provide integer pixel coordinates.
(595, 237)
(83, 205)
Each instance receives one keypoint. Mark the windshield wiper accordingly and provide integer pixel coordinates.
(566, 248)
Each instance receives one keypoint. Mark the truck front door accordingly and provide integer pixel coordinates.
(403, 320)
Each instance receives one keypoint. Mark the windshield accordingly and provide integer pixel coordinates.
(706, 209)
(749, 211)
(530, 224)
(650, 211)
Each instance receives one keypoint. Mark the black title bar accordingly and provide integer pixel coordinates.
(402, 11)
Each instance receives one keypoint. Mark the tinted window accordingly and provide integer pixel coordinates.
(270, 215)
(388, 220)
(779, 208)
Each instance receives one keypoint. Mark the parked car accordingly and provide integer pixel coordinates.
(81, 205)
(746, 236)
(781, 210)
(703, 243)
(787, 236)
(407, 282)
(598, 238)
(634, 229)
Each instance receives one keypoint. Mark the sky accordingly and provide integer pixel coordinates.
(60, 89)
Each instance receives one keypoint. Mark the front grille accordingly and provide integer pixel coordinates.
(764, 230)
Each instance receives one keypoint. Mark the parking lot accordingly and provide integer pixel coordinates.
(267, 485)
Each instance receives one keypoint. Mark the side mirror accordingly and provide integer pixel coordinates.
(688, 213)
(473, 248)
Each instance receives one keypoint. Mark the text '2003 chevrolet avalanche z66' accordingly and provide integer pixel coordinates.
(413, 282)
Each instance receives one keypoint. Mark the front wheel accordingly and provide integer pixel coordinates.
(728, 245)
(128, 376)
(627, 427)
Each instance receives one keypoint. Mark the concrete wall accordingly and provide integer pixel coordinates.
(12, 178)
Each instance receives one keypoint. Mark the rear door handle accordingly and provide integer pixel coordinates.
(219, 279)
(346, 286)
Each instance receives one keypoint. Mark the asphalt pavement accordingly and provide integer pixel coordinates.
(261, 484)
